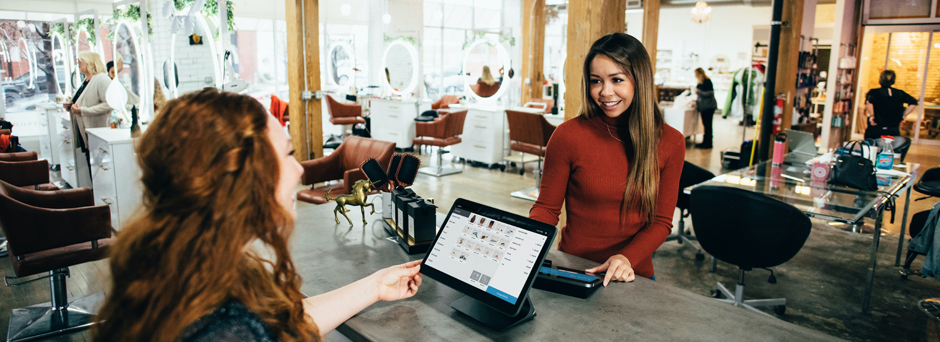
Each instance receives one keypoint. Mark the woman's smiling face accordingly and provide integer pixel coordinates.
(611, 86)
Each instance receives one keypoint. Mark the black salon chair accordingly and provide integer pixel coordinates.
(929, 184)
(749, 230)
(691, 175)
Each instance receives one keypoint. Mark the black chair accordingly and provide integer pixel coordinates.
(929, 184)
(691, 175)
(749, 230)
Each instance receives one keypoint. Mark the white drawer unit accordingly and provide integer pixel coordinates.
(115, 173)
(394, 121)
(484, 134)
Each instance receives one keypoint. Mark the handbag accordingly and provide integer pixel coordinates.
(855, 171)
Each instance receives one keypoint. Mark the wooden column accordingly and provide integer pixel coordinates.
(306, 125)
(651, 29)
(533, 48)
(587, 21)
(788, 60)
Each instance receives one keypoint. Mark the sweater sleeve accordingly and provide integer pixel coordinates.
(649, 238)
(555, 174)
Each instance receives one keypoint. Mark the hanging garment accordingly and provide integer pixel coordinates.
(928, 242)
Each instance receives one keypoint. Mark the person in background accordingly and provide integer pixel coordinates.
(885, 107)
(113, 70)
(208, 257)
(615, 167)
(89, 108)
(706, 105)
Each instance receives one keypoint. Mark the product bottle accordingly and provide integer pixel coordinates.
(886, 155)
(779, 148)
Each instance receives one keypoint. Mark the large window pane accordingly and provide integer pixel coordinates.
(433, 16)
(432, 62)
(457, 16)
(453, 58)
(894, 9)
(28, 76)
(486, 18)
(930, 121)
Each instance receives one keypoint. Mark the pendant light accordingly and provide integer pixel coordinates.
(700, 12)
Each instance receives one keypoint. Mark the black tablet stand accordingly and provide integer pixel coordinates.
(492, 318)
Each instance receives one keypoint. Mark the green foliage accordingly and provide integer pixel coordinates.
(211, 9)
(409, 39)
(89, 25)
(132, 15)
(478, 35)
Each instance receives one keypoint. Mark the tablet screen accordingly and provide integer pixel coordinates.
(492, 255)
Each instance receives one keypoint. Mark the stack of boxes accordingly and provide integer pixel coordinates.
(413, 220)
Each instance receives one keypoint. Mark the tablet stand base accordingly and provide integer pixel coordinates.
(490, 317)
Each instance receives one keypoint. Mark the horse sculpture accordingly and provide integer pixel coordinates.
(360, 190)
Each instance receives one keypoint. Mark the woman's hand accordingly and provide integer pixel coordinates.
(871, 120)
(617, 267)
(67, 106)
(398, 282)
(76, 109)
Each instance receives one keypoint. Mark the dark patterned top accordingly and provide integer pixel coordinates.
(231, 322)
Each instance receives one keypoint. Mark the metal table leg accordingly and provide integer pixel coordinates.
(907, 206)
(866, 300)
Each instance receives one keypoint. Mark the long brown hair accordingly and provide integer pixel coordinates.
(207, 168)
(700, 75)
(644, 125)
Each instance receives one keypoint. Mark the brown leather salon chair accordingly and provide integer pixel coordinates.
(342, 164)
(442, 132)
(444, 102)
(48, 231)
(23, 169)
(529, 134)
(342, 114)
(543, 104)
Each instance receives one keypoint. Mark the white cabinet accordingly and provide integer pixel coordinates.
(115, 173)
(394, 121)
(484, 134)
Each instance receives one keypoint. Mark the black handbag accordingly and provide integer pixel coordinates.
(855, 171)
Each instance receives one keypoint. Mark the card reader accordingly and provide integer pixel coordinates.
(567, 281)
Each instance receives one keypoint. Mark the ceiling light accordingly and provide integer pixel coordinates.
(345, 8)
(700, 12)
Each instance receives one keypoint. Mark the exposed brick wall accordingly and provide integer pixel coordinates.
(910, 49)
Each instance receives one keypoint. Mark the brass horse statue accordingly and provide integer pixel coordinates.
(360, 190)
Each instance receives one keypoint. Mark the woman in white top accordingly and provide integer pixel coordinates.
(89, 109)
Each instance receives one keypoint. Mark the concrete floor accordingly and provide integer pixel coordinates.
(823, 284)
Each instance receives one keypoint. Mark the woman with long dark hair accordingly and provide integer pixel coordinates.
(219, 178)
(615, 167)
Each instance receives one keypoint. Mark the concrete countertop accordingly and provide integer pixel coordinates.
(329, 255)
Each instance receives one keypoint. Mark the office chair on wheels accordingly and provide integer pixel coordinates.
(929, 184)
(691, 175)
(749, 230)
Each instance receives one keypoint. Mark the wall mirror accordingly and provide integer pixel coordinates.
(24, 53)
(171, 77)
(127, 47)
(195, 55)
(81, 45)
(62, 64)
(341, 64)
(401, 67)
(484, 66)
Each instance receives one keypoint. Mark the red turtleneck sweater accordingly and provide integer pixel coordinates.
(586, 168)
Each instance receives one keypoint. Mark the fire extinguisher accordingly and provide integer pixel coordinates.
(778, 114)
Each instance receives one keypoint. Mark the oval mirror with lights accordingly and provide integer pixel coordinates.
(81, 45)
(24, 52)
(62, 64)
(171, 76)
(129, 51)
(484, 66)
(341, 64)
(195, 54)
(401, 67)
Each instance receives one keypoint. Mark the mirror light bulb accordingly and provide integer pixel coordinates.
(345, 8)
(386, 18)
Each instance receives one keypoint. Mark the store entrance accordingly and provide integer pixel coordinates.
(915, 57)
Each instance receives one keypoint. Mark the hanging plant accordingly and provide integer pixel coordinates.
(409, 39)
(89, 25)
(478, 35)
(211, 9)
(60, 29)
(132, 15)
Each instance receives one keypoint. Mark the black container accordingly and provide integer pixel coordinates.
(397, 194)
(421, 220)
(401, 211)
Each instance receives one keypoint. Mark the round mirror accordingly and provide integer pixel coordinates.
(128, 61)
(24, 53)
(81, 45)
(401, 67)
(171, 76)
(61, 64)
(194, 54)
(341, 64)
(484, 67)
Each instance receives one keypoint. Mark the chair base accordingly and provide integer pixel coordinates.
(685, 239)
(3, 247)
(439, 171)
(530, 194)
(41, 320)
(737, 298)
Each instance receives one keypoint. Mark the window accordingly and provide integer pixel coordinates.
(448, 26)
(262, 62)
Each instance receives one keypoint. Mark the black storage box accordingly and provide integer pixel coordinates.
(421, 220)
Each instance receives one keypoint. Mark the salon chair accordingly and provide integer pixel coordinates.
(928, 184)
(691, 175)
(748, 230)
(442, 132)
(444, 102)
(47, 232)
(529, 134)
(280, 109)
(342, 164)
(24, 170)
(544, 104)
(344, 115)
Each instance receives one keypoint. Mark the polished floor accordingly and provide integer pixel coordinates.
(823, 284)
